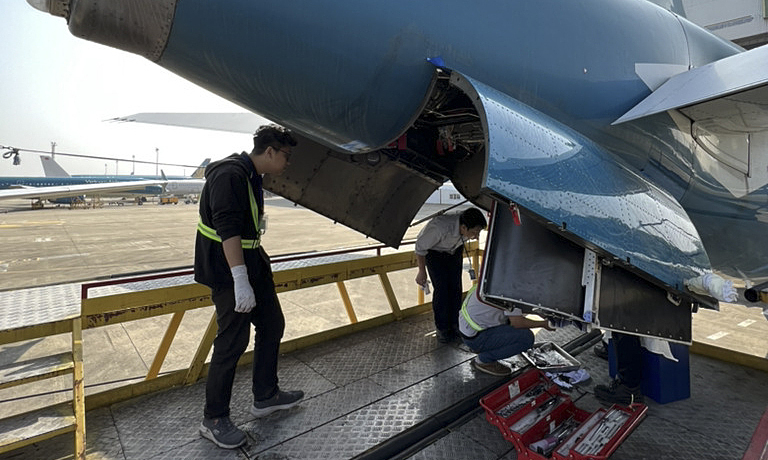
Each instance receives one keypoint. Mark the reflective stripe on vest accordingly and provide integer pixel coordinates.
(245, 244)
(465, 312)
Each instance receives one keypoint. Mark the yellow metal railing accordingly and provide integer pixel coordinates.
(177, 300)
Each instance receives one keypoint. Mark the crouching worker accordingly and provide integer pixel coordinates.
(494, 333)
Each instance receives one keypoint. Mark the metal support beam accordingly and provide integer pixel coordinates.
(347, 302)
(78, 388)
(165, 345)
(390, 295)
(196, 366)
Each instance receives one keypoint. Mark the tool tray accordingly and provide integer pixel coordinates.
(563, 361)
(531, 407)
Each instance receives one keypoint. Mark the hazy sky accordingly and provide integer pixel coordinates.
(55, 87)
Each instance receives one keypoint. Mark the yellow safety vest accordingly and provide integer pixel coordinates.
(465, 312)
(245, 243)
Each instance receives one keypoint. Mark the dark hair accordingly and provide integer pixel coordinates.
(271, 136)
(473, 218)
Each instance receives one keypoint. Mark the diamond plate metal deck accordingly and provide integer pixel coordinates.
(25, 307)
(365, 388)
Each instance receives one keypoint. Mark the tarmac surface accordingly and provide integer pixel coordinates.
(362, 390)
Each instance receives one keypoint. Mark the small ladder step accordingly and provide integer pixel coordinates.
(36, 369)
(24, 429)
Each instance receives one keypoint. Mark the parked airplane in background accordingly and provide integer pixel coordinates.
(68, 189)
(58, 186)
(628, 138)
(184, 187)
(179, 186)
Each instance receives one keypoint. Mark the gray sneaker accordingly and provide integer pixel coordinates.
(222, 432)
(494, 368)
(281, 400)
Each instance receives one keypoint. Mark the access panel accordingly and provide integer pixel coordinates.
(531, 265)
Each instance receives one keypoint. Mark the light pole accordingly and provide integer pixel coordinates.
(157, 161)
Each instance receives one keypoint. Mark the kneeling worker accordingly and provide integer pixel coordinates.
(495, 333)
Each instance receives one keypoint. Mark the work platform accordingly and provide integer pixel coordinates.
(364, 389)
(394, 392)
(389, 391)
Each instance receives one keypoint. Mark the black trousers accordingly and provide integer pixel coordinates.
(232, 340)
(629, 358)
(445, 272)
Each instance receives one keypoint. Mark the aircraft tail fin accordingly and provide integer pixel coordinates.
(51, 168)
(200, 171)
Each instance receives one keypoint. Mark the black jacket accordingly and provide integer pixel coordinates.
(225, 207)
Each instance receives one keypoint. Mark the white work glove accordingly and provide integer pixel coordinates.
(715, 286)
(245, 299)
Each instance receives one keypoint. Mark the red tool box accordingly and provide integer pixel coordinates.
(543, 423)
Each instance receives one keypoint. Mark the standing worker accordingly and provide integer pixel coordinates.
(494, 333)
(438, 250)
(230, 260)
(626, 388)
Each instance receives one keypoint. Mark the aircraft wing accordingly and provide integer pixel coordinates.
(245, 122)
(731, 92)
(151, 187)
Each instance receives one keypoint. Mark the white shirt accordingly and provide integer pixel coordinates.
(440, 234)
(484, 315)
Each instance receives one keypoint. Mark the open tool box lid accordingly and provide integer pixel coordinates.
(543, 422)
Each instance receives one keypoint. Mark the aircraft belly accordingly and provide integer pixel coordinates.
(558, 174)
(312, 81)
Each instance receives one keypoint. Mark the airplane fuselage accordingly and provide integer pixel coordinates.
(354, 76)
(21, 181)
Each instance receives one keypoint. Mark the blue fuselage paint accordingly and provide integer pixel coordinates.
(354, 75)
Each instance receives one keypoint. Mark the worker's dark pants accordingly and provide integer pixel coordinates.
(629, 358)
(499, 342)
(445, 272)
(232, 340)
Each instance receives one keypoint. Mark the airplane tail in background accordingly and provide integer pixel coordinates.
(200, 171)
(51, 168)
